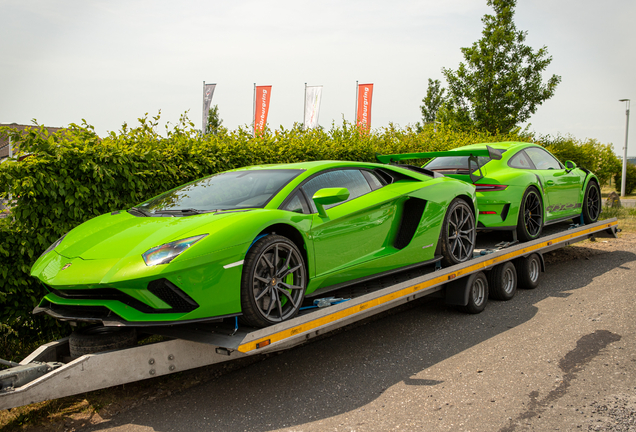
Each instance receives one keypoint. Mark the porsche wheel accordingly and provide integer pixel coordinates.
(458, 233)
(591, 203)
(530, 221)
(273, 282)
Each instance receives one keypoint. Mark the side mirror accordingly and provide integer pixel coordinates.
(326, 196)
(569, 165)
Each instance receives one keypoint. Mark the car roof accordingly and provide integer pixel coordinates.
(506, 145)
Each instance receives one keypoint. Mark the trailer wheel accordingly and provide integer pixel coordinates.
(458, 233)
(502, 281)
(477, 286)
(273, 283)
(528, 271)
(94, 339)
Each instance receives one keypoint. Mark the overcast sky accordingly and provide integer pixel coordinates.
(109, 62)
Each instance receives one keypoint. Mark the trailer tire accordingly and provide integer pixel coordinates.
(271, 292)
(95, 339)
(477, 286)
(502, 282)
(528, 271)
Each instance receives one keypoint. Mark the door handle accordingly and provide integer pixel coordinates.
(549, 182)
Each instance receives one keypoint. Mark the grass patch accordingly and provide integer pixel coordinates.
(626, 217)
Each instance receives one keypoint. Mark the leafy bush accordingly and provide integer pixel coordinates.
(73, 175)
(590, 154)
(630, 182)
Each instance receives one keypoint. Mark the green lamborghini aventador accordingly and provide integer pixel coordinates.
(521, 187)
(254, 242)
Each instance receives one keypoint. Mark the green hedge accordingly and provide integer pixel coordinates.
(73, 175)
(590, 154)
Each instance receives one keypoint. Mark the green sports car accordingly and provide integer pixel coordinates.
(520, 187)
(255, 242)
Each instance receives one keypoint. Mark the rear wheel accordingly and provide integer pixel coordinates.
(591, 203)
(530, 221)
(458, 233)
(528, 271)
(502, 281)
(273, 282)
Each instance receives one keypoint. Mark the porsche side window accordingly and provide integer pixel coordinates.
(352, 179)
(520, 160)
(542, 159)
(297, 204)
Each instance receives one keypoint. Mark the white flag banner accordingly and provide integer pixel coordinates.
(313, 94)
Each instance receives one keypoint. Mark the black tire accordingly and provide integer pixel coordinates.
(458, 233)
(591, 203)
(95, 339)
(530, 220)
(477, 285)
(273, 283)
(502, 282)
(528, 271)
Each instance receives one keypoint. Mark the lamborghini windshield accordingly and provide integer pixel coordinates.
(225, 191)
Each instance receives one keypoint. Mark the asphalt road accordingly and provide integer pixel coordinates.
(560, 357)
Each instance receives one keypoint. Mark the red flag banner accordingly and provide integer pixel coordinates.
(365, 91)
(262, 107)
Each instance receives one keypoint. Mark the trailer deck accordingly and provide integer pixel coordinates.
(50, 373)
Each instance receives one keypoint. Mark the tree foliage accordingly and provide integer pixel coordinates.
(214, 121)
(433, 101)
(499, 85)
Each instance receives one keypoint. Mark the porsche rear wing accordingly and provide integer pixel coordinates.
(50, 373)
(472, 154)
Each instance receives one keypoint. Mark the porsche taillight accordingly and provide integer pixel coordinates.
(490, 187)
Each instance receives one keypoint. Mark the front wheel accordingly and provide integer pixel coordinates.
(273, 283)
(530, 221)
(458, 233)
(591, 203)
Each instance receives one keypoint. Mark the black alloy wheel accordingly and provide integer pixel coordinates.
(530, 222)
(591, 203)
(458, 233)
(273, 283)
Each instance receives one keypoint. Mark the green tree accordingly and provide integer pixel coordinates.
(433, 101)
(214, 121)
(500, 84)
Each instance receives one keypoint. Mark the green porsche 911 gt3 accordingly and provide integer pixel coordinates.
(254, 242)
(521, 187)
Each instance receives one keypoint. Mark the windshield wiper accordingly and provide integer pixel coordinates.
(183, 211)
(140, 212)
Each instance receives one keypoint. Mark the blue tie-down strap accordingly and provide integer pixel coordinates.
(324, 302)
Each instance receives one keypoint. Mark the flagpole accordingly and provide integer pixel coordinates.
(305, 106)
(203, 122)
(254, 112)
(355, 116)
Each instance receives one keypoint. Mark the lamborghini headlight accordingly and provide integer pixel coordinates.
(53, 246)
(167, 252)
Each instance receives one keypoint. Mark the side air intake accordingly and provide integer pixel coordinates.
(411, 217)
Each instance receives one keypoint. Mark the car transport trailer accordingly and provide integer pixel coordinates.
(50, 373)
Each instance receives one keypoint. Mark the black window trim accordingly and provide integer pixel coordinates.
(310, 202)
